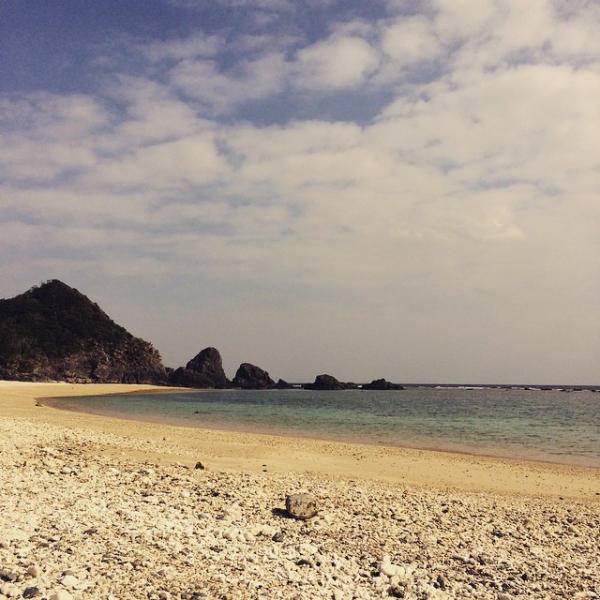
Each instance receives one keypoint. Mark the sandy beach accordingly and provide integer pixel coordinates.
(250, 452)
(392, 522)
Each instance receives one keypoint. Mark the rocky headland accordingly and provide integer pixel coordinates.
(55, 333)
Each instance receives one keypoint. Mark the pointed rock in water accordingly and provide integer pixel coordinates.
(205, 370)
(301, 506)
(251, 377)
(283, 385)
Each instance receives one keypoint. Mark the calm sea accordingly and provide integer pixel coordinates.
(550, 426)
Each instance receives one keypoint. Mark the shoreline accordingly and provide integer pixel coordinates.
(248, 430)
(261, 453)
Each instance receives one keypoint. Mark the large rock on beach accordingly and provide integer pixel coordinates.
(301, 506)
(205, 370)
(251, 377)
(325, 383)
(54, 333)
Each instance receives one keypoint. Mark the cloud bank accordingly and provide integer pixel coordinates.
(411, 194)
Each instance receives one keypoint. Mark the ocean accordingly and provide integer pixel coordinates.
(544, 425)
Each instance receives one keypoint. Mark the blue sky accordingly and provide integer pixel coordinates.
(392, 189)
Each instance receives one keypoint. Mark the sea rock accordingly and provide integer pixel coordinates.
(251, 377)
(283, 385)
(301, 506)
(325, 382)
(382, 384)
(205, 370)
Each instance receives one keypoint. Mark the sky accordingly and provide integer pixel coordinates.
(395, 188)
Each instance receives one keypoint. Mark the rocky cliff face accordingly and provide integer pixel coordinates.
(55, 333)
(251, 377)
(205, 370)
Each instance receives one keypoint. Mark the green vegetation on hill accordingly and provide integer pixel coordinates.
(53, 331)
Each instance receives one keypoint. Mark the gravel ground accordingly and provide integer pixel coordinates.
(80, 520)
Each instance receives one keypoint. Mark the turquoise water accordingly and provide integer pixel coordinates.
(532, 424)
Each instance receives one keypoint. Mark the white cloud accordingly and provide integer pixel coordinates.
(336, 63)
(221, 91)
(460, 19)
(411, 40)
(48, 135)
(192, 160)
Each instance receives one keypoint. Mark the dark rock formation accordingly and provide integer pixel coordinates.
(325, 383)
(250, 377)
(54, 333)
(283, 385)
(205, 370)
(382, 384)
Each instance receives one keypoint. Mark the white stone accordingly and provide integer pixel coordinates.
(69, 581)
(61, 595)
(308, 549)
(268, 531)
(388, 569)
(10, 590)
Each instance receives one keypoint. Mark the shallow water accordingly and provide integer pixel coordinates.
(530, 424)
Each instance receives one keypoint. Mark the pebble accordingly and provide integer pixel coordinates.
(118, 529)
(61, 595)
(69, 581)
(10, 590)
(34, 571)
